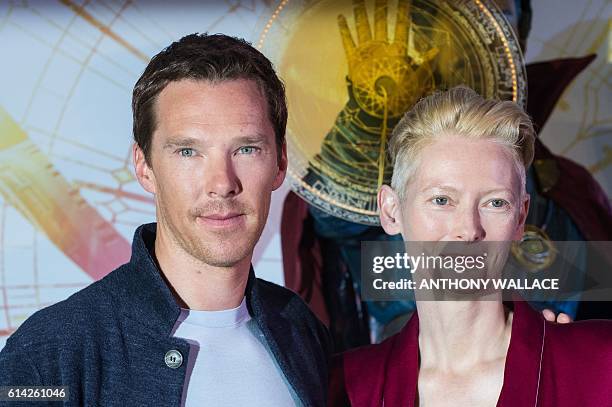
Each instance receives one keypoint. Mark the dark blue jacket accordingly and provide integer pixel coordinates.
(108, 342)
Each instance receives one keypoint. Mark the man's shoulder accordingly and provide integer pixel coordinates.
(72, 317)
(271, 289)
(291, 306)
(282, 300)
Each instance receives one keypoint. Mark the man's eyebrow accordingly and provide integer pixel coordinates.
(252, 139)
(180, 142)
(255, 139)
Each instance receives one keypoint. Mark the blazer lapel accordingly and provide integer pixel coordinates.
(524, 359)
(291, 354)
(402, 370)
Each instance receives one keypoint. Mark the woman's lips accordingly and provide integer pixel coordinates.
(221, 220)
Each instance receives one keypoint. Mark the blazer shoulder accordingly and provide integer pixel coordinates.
(588, 334)
(587, 344)
(578, 361)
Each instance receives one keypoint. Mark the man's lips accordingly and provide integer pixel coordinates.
(221, 219)
(220, 216)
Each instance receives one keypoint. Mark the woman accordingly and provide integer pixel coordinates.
(459, 175)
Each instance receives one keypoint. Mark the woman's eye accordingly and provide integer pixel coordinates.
(440, 200)
(186, 152)
(498, 203)
(247, 150)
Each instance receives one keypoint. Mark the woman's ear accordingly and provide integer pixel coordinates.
(389, 210)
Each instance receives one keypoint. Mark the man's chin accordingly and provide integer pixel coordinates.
(219, 247)
(226, 255)
(222, 262)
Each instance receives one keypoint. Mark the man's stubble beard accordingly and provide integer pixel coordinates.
(215, 254)
(206, 248)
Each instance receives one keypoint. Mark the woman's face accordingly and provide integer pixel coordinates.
(462, 190)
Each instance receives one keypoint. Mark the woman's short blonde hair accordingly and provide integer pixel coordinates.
(462, 112)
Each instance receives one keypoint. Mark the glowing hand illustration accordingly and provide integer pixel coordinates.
(388, 76)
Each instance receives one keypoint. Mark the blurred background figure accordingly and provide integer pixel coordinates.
(321, 252)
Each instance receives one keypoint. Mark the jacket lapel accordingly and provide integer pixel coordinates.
(402, 370)
(291, 353)
(524, 359)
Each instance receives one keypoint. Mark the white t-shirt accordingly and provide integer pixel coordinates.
(229, 362)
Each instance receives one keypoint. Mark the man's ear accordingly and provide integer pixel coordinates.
(144, 174)
(388, 208)
(282, 168)
(524, 210)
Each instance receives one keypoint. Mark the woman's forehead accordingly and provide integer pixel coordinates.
(458, 163)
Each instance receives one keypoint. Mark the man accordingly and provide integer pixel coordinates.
(186, 322)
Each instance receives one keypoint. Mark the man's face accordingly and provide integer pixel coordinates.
(462, 190)
(213, 168)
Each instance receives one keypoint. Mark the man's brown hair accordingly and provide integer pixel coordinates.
(213, 58)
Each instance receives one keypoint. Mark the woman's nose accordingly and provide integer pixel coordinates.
(468, 226)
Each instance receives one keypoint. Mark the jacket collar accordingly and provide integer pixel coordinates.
(147, 298)
(524, 359)
(521, 372)
(273, 318)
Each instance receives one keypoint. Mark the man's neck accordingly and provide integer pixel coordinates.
(197, 285)
(455, 336)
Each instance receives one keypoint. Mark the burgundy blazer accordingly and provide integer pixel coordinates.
(547, 364)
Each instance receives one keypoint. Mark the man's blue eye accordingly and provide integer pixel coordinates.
(186, 152)
(247, 150)
(441, 200)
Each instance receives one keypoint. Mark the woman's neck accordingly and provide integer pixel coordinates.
(456, 336)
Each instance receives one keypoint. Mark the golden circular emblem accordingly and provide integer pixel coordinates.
(352, 68)
(535, 251)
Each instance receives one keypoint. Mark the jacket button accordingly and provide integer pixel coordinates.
(173, 359)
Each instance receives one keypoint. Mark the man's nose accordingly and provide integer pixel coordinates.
(468, 226)
(221, 180)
